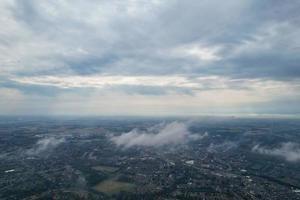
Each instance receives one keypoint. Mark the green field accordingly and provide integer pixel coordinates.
(112, 187)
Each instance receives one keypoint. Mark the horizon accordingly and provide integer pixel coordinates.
(180, 117)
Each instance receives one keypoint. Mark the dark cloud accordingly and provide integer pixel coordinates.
(136, 37)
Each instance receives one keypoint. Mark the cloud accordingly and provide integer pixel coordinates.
(223, 147)
(289, 151)
(158, 84)
(163, 134)
(151, 47)
(143, 37)
(197, 51)
(105, 81)
(45, 145)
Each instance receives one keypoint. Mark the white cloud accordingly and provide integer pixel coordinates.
(289, 151)
(223, 147)
(106, 80)
(45, 145)
(201, 52)
(164, 134)
(196, 83)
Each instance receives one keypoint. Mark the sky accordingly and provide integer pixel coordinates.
(149, 57)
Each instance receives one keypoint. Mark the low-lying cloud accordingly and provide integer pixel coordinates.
(223, 147)
(156, 136)
(289, 151)
(45, 145)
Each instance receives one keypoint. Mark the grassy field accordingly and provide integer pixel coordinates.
(112, 186)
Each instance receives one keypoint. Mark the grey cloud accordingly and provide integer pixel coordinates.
(136, 38)
(289, 151)
(273, 53)
(160, 135)
(255, 40)
(150, 90)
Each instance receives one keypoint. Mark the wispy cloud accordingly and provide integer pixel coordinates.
(193, 82)
(289, 151)
(197, 51)
(104, 81)
(45, 145)
(222, 147)
(160, 135)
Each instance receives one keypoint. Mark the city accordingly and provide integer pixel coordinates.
(80, 159)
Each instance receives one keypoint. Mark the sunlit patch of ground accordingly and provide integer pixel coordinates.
(112, 186)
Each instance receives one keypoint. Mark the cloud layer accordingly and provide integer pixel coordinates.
(160, 135)
(289, 151)
(235, 50)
